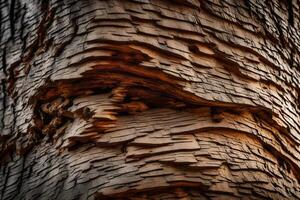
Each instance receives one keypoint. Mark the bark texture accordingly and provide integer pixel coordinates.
(150, 99)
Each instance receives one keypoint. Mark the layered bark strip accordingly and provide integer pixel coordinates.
(150, 99)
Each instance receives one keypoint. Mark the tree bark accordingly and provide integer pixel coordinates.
(149, 99)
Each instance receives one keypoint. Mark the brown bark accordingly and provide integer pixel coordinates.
(150, 99)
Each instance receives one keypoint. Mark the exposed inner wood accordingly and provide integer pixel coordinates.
(149, 99)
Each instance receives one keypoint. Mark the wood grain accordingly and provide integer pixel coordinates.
(149, 99)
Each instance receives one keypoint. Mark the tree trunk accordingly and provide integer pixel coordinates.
(150, 99)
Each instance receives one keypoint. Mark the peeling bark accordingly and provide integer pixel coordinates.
(150, 99)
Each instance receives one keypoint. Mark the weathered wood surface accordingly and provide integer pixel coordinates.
(150, 99)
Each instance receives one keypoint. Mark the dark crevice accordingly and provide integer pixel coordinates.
(216, 114)
(12, 17)
(290, 12)
(292, 54)
(23, 38)
(3, 85)
(276, 20)
(13, 126)
(11, 78)
(1, 23)
(4, 65)
(44, 5)
(298, 98)
(248, 6)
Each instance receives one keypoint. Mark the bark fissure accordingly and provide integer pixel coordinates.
(12, 18)
(150, 99)
(3, 86)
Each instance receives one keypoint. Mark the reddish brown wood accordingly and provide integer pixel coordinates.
(149, 99)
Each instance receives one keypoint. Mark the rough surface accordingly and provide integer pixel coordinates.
(150, 99)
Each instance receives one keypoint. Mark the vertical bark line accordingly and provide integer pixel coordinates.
(298, 99)
(292, 54)
(276, 20)
(3, 86)
(4, 62)
(22, 29)
(290, 10)
(12, 17)
(291, 24)
(1, 22)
